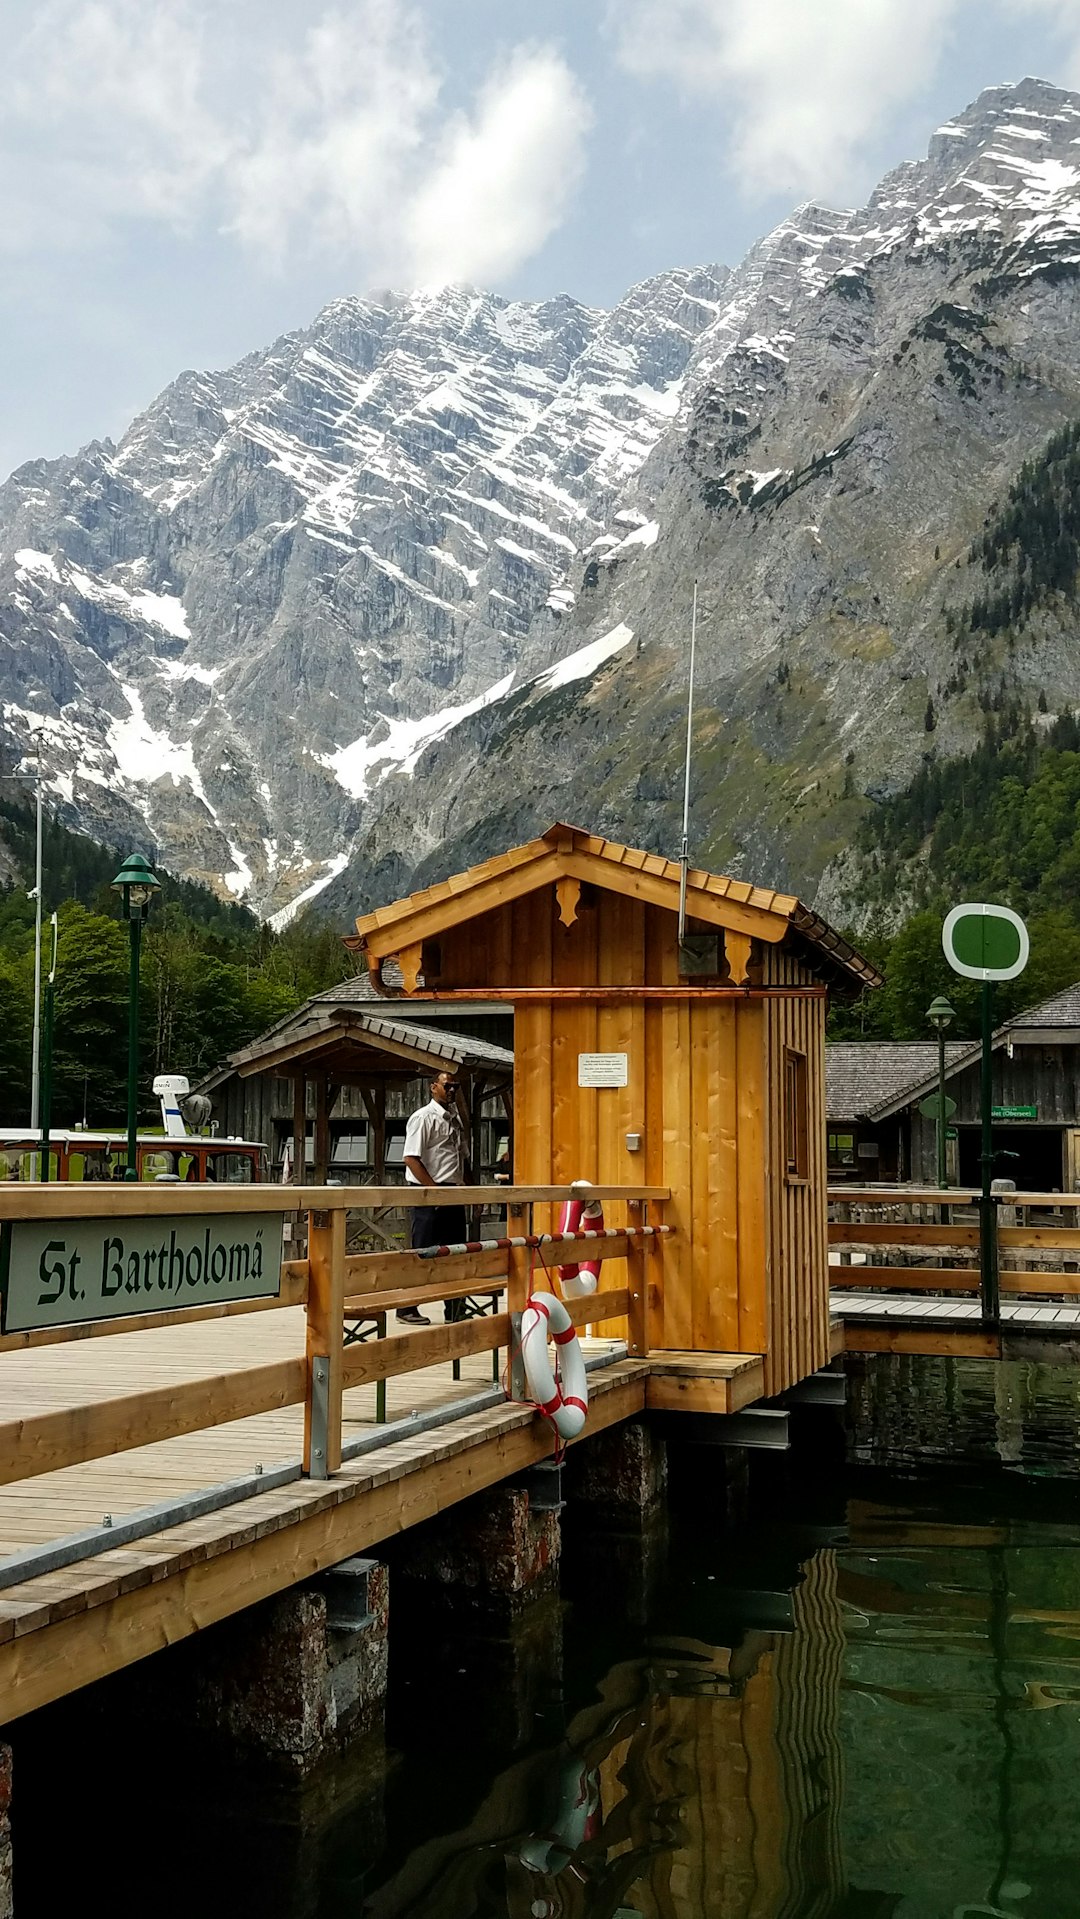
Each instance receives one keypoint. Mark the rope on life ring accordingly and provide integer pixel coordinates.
(579, 1280)
(562, 1394)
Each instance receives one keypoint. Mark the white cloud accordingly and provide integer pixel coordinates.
(504, 176)
(803, 90)
(803, 86)
(298, 132)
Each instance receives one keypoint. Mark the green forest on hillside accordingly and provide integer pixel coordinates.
(212, 976)
(1001, 823)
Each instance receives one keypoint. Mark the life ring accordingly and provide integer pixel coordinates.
(575, 1809)
(562, 1395)
(586, 1214)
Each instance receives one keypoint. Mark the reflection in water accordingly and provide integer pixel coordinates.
(867, 1706)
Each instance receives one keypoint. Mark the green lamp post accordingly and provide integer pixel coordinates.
(136, 883)
(941, 1014)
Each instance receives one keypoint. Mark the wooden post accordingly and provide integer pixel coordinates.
(325, 1338)
(637, 1279)
(299, 1127)
(321, 1167)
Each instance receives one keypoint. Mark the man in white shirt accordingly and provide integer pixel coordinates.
(435, 1155)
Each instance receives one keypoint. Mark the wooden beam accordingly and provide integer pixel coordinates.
(1064, 1238)
(657, 890)
(39, 1666)
(144, 1200)
(916, 1340)
(523, 994)
(929, 1279)
(299, 1127)
(950, 1279)
(434, 1345)
(321, 1159)
(427, 919)
(46, 1442)
(680, 1394)
(879, 1234)
(371, 1272)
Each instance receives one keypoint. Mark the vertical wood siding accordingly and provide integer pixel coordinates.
(746, 1270)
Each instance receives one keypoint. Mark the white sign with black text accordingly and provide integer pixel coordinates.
(602, 1069)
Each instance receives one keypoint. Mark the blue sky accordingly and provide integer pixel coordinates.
(181, 181)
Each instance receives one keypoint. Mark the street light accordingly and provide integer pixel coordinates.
(940, 1015)
(136, 884)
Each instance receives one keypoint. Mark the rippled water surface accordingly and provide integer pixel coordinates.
(865, 1702)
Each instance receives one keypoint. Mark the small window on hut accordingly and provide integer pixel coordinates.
(796, 1115)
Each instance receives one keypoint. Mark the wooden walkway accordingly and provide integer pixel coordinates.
(67, 1378)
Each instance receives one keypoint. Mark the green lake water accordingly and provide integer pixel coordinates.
(864, 1701)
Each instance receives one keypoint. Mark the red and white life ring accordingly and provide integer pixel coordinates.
(587, 1215)
(562, 1394)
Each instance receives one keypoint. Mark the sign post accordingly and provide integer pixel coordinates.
(986, 943)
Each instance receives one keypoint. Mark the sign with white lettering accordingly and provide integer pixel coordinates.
(65, 1272)
(602, 1069)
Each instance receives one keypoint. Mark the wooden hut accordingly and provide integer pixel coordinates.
(639, 1059)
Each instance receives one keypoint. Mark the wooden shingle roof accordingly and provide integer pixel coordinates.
(865, 1078)
(564, 849)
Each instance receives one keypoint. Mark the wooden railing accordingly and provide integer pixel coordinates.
(335, 1289)
(925, 1239)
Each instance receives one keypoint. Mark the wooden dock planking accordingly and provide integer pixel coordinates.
(64, 1630)
(55, 1379)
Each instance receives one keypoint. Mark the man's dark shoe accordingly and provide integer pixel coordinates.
(413, 1316)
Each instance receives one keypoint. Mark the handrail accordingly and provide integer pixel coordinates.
(92, 1200)
(332, 1286)
(886, 1237)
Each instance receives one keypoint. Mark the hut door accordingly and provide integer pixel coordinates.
(1072, 1161)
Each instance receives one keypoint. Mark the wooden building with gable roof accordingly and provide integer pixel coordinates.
(699, 1067)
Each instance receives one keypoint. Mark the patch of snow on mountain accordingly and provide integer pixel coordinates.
(405, 741)
(183, 670)
(28, 560)
(579, 665)
(144, 755)
(286, 914)
(158, 609)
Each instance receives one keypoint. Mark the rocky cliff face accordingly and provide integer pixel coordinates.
(417, 580)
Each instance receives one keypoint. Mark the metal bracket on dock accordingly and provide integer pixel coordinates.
(320, 1414)
(820, 1389)
(518, 1388)
(755, 1426)
(543, 1483)
(345, 1588)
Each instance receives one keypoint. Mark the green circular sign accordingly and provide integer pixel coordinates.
(985, 942)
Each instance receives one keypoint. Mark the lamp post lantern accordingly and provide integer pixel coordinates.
(941, 1014)
(136, 883)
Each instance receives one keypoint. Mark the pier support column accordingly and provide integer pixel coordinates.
(620, 1477)
(476, 1636)
(286, 1683)
(615, 1487)
(6, 1907)
(491, 1556)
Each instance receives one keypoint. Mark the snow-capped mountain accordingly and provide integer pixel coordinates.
(417, 577)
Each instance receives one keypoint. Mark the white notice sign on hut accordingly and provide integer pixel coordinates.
(602, 1069)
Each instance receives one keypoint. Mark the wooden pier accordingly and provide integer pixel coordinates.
(916, 1286)
(199, 1429)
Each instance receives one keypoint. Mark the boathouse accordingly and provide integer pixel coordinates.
(876, 1088)
(697, 1065)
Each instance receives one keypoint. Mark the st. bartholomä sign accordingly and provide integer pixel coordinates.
(65, 1272)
